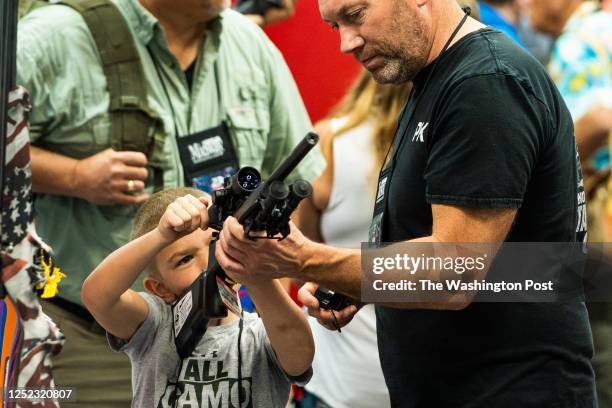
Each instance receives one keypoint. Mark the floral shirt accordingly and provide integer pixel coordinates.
(581, 62)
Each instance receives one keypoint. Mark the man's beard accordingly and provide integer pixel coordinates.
(397, 70)
(401, 66)
(407, 56)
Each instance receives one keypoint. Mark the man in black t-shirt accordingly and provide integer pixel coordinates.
(484, 152)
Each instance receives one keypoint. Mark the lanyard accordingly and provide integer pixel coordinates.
(375, 234)
(412, 93)
(163, 84)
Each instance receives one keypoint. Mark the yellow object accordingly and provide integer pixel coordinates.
(53, 276)
(578, 82)
(595, 69)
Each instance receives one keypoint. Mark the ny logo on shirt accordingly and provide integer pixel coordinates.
(418, 135)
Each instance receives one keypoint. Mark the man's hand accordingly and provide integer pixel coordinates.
(183, 216)
(111, 177)
(323, 316)
(244, 259)
(274, 14)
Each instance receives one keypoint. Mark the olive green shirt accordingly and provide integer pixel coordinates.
(59, 64)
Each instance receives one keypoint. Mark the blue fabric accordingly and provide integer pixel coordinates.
(245, 300)
(490, 17)
(310, 400)
(2, 323)
(601, 159)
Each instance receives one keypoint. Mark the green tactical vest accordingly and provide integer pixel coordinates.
(134, 125)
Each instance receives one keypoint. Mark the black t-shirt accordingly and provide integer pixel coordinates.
(488, 130)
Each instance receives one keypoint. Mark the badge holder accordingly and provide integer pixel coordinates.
(208, 157)
(376, 227)
(202, 303)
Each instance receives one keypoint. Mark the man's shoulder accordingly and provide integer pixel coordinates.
(489, 51)
(56, 25)
(490, 56)
(53, 18)
(240, 32)
(238, 24)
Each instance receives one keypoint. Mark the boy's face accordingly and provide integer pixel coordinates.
(180, 263)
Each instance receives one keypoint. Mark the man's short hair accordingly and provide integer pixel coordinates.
(148, 215)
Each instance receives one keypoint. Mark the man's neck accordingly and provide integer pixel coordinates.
(449, 20)
(184, 35)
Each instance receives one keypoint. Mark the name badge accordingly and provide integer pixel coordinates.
(382, 195)
(207, 158)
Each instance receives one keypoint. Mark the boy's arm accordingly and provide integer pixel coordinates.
(286, 326)
(106, 292)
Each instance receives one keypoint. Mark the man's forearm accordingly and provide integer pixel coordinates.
(53, 173)
(340, 270)
(334, 268)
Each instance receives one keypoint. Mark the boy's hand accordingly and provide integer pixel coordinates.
(183, 216)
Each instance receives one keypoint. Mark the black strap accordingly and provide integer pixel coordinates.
(467, 11)
(134, 125)
(240, 328)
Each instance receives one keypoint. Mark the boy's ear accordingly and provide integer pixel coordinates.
(158, 289)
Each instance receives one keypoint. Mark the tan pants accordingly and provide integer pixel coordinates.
(101, 377)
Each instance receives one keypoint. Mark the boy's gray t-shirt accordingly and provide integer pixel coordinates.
(209, 377)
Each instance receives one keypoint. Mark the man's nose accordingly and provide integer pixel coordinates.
(350, 40)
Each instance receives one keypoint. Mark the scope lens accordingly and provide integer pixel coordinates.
(248, 178)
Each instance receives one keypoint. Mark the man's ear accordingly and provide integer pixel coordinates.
(158, 289)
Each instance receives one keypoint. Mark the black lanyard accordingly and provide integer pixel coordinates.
(375, 234)
(433, 68)
(163, 84)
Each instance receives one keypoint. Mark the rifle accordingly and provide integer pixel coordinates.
(260, 207)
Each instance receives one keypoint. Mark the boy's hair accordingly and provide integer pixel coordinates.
(148, 215)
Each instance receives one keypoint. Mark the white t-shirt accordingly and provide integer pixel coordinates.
(347, 372)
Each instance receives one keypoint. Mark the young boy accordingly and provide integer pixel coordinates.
(170, 242)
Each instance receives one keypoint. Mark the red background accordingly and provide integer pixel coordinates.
(312, 51)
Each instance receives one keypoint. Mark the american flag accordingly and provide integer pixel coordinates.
(37, 337)
(17, 212)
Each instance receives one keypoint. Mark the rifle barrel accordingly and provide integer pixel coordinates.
(290, 163)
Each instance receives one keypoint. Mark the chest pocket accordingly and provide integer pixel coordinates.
(249, 126)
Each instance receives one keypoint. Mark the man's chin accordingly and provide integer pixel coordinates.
(383, 77)
(387, 73)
